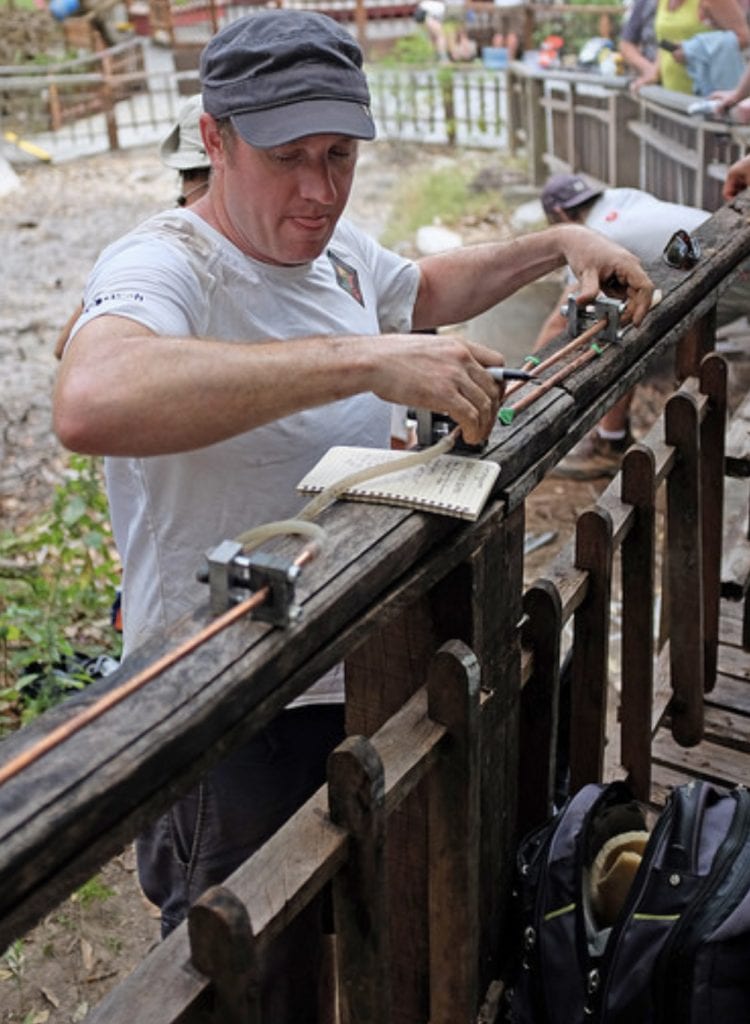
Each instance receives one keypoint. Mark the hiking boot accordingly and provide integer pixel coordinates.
(593, 457)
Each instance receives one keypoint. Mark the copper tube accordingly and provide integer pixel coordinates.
(67, 729)
(550, 382)
(571, 346)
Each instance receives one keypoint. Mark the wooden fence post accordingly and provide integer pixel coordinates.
(638, 579)
(356, 792)
(713, 384)
(453, 701)
(591, 649)
(540, 698)
(222, 947)
(685, 570)
(536, 135)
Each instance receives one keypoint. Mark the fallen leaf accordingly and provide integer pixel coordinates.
(5, 974)
(80, 1011)
(87, 954)
(50, 997)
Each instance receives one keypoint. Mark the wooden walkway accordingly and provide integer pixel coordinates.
(724, 754)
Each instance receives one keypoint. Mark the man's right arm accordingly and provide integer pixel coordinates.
(555, 323)
(123, 390)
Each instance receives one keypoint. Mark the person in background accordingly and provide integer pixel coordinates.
(733, 99)
(644, 225)
(183, 150)
(431, 14)
(677, 21)
(223, 349)
(638, 46)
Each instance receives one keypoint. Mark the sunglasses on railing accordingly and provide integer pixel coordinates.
(682, 251)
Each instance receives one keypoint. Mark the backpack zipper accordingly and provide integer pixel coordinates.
(599, 976)
(674, 964)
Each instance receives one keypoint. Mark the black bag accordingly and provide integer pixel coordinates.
(678, 948)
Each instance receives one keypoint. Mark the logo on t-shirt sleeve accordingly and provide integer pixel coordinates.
(346, 277)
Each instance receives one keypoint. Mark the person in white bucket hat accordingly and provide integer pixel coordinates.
(183, 150)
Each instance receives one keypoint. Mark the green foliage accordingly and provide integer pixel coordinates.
(14, 958)
(57, 582)
(409, 50)
(575, 29)
(93, 891)
(443, 195)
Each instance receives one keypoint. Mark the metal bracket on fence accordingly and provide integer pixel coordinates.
(232, 575)
(580, 318)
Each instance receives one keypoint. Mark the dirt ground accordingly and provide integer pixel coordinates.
(51, 230)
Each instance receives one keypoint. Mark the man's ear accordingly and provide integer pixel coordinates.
(562, 216)
(213, 140)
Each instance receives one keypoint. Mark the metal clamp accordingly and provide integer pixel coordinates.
(580, 318)
(230, 575)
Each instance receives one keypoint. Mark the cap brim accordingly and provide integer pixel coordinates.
(580, 198)
(279, 125)
(182, 158)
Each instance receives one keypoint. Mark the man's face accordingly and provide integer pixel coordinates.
(281, 205)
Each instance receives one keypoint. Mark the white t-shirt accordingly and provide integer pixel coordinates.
(178, 276)
(640, 222)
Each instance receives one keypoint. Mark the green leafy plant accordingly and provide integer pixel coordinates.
(576, 27)
(57, 582)
(415, 49)
(93, 891)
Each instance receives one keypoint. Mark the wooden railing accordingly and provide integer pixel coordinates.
(582, 122)
(452, 705)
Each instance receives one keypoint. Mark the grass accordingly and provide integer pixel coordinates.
(443, 195)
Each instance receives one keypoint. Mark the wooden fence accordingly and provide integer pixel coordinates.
(555, 120)
(452, 705)
(583, 122)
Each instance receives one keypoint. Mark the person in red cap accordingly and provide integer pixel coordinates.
(224, 348)
(643, 224)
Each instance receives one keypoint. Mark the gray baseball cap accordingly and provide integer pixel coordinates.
(566, 191)
(281, 75)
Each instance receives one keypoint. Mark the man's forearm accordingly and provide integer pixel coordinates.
(458, 285)
(142, 394)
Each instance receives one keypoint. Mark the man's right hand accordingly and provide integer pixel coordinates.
(444, 373)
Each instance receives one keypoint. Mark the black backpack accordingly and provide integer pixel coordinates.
(678, 949)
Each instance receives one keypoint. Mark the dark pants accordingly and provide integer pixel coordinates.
(233, 810)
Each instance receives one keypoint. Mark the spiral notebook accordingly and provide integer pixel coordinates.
(452, 485)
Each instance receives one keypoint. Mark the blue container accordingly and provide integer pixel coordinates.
(495, 57)
(62, 9)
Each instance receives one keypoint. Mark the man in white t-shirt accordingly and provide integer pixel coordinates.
(644, 225)
(223, 348)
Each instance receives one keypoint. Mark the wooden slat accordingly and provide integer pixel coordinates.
(357, 797)
(454, 837)
(685, 562)
(728, 728)
(730, 693)
(591, 649)
(738, 441)
(706, 760)
(735, 563)
(539, 721)
(734, 661)
(638, 560)
(713, 383)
